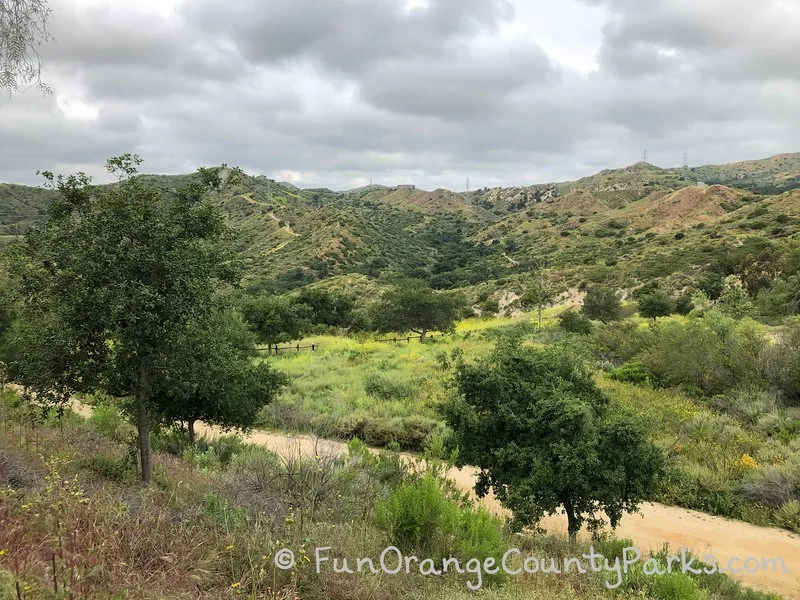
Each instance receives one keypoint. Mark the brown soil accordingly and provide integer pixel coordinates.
(657, 524)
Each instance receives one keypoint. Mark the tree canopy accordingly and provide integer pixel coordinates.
(413, 306)
(276, 319)
(656, 304)
(601, 303)
(112, 283)
(545, 437)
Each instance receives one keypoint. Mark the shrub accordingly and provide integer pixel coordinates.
(620, 342)
(203, 460)
(574, 322)
(768, 487)
(389, 388)
(226, 446)
(708, 355)
(783, 365)
(108, 422)
(788, 515)
(632, 372)
(114, 469)
(420, 517)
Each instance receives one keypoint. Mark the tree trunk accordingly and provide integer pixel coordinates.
(422, 335)
(142, 396)
(573, 525)
(190, 427)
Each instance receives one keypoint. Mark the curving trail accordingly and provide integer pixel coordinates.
(657, 524)
(702, 533)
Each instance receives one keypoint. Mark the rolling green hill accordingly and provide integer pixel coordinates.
(627, 226)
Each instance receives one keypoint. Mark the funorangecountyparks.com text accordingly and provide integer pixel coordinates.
(514, 562)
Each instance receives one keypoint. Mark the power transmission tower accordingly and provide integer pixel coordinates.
(685, 160)
(644, 156)
(467, 183)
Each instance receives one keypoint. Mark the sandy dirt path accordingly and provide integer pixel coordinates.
(701, 533)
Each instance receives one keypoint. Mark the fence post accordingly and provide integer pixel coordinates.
(312, 347)
(298, 346)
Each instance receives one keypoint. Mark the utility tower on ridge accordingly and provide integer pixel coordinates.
(685, 160)
(644, 156)
(467, 183)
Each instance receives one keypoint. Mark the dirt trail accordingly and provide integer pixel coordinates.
(702, 533)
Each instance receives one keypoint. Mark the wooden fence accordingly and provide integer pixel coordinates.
(313, 347)
(276, 349)
(408, 338)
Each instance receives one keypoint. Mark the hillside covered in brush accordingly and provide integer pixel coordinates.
(686, 226)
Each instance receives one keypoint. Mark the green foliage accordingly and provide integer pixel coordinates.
(575, 322)
(656, 304)
(385, 387)
(413, 306)
(621, 342)
(276, 319)
(208, 374)
(326, 307)
(601, 303)
(545, 437)
(708, 355)
(734, 300)
(783, 366)
(421, 517)
(110, 281)
(107, 420)
(632, 372)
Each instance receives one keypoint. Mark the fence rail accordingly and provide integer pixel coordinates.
(411, 337)
(270, 350)
(276, 349)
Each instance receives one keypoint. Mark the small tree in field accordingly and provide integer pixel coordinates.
(538, 294)
(276, 319)
(545, 437)
(656, 304)
(110, 284)
(210, 376)
(415, 307)
(601, 304)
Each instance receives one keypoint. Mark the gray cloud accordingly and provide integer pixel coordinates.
(333, 92)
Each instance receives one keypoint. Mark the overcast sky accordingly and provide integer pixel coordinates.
(335, 92)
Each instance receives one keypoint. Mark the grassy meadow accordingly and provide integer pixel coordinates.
(733, 449)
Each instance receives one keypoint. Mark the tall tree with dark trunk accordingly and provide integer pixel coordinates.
(110, 281)
(546, 438)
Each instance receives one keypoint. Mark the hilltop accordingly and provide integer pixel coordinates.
(619, 223)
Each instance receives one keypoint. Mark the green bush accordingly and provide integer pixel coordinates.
(108, 422)
(420, 517)
(788, 515)
(389, 388)
(707, 355)
(633, 372)
(620, 342)
(118, 470)
(575, 322)
(203, 460)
